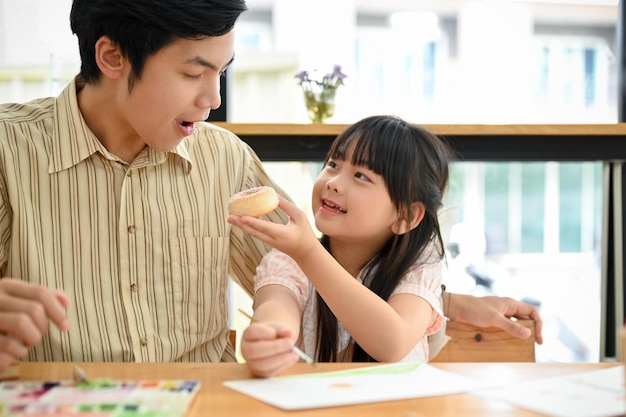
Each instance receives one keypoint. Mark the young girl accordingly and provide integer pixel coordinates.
(369, 289)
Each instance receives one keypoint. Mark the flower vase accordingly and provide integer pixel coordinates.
(320, 104)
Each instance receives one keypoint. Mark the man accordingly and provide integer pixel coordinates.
(113, 196)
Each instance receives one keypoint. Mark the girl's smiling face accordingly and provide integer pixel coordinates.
(179, 86)
(352, 202)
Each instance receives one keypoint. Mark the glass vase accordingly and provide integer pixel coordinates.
(320, 105)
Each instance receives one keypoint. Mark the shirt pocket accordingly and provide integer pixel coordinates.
(199, 285)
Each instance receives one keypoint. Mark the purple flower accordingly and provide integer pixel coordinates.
(336, 77)
(329, 82)
(302, 76)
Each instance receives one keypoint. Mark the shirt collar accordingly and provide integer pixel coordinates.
(73, 141)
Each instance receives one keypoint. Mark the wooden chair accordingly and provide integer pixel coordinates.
(232, 336)
(486, 344)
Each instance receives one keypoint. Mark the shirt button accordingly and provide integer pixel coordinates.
(134, 287)
(144, 341)
(129, 174)
(131, 229)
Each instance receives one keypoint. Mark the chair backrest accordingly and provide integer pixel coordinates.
(232, 337)
(446, 217)
(486, 344)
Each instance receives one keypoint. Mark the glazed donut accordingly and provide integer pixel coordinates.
(255, 202)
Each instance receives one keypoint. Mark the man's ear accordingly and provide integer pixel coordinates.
(109, 58)
(404, 224)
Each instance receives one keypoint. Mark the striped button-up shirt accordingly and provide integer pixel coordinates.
(142, 249)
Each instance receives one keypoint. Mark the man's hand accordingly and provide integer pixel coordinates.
(491, 311)
(26, 311)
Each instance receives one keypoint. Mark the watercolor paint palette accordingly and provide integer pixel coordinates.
(97, 398)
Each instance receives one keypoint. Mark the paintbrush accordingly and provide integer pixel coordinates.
(80, 376)
(295, 349)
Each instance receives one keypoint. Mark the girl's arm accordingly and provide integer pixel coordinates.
(266, 343)
(386, 330)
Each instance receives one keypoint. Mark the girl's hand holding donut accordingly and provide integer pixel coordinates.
(296, 238)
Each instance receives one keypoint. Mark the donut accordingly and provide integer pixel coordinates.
(255, 202)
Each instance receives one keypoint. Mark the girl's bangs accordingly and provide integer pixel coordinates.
(361, 149)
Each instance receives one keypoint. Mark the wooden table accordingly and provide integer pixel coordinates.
(216, 400)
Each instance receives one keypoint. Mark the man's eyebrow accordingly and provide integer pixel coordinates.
(197, 60)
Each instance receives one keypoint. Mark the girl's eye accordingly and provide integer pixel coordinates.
(361, 176)
(331, 164)
(193, 76)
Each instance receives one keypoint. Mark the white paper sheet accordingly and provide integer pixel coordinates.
(598, 393)
(355, 386)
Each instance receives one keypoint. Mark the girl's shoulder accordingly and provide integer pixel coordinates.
(427, 268)
(430, 256)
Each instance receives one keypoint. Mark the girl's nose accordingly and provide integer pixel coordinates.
(333, 184)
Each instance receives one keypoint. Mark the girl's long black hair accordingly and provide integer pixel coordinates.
(414, 165)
